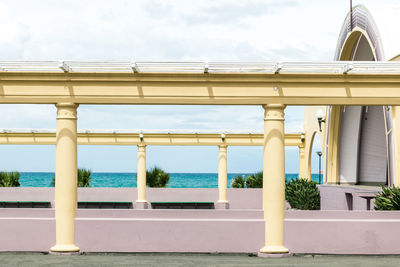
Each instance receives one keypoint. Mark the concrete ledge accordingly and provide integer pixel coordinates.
(274, 255)
(65, 253)
(221, 205)
(141, 205)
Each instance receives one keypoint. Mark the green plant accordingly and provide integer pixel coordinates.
(302, 194)
(388, 199)
(238, 181)
(255, 180)
(156, 177)
(83, 178)
(9, 179)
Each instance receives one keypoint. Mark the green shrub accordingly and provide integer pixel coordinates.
(83, 178)
(302, 194)
(9, 179)
(238, 181)
(255, 180)
(388, 199)
(156, 177)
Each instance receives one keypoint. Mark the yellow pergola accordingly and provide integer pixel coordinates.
(268, 84)
(142, 139)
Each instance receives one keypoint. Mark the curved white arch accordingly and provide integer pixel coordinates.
(363, 153)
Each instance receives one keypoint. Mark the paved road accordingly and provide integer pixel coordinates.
(27, 259)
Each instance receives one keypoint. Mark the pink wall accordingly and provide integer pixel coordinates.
(321, 232)
(238, 198)
(339, 197)
(233, 230)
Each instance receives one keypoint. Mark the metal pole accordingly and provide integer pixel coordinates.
(319, 173)
(319, 153)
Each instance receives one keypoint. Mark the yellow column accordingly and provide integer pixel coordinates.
(302, 163)
(274, 179)
(396, 143)
(141, 202)
(222, 177)
(66, 178)
(332, 173)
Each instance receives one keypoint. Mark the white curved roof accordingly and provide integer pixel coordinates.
(387, 19)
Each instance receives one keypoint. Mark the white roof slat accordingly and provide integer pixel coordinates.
(99, 67)
(313, 67)
(379, 67)
(30, 66)
(241, 67)
(336, 67)
(170, 67)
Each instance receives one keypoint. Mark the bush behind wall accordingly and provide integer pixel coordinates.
(9, 179)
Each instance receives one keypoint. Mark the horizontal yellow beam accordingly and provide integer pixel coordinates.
(200, 88)
(151, 139)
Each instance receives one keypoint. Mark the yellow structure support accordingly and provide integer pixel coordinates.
(141, 177)
(222, 176)
(302, 162)
(311, 130)
(66, 178)
(332, 172)
(274, 179)
(37, 137)
(396, 141)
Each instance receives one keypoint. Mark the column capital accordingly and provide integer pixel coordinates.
(66, 111)
(274, 112)
(141, 147)
(222, 147)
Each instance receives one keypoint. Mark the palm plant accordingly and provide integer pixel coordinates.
(388, 199)
(83, 178)
(255, 180)
(156, 177)
(238, 181)
(10, 179)
(302, 194)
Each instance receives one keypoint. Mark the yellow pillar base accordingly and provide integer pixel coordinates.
(141, 204)
(222, 205)
(64, 248)
(274, 250)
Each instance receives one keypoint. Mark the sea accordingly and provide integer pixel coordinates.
(124, 179)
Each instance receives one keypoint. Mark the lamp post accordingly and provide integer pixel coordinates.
(319, 153)
(320, 118)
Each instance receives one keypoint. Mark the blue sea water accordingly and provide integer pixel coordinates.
(113, 179)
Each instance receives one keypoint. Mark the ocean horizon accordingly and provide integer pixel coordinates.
(128, 179)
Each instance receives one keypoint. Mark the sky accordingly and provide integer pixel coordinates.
(158, 30)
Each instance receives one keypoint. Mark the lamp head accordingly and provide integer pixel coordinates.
(320, 118)
(320, 114)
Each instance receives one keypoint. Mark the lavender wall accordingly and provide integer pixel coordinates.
(340, 197)
(238, 198)
(233, 230)
(325, 232)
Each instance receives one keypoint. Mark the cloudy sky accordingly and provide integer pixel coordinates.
(284, 30)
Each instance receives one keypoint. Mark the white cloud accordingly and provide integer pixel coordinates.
(166, 30)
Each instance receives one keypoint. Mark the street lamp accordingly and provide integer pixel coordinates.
(320, 117)
(319, 153)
